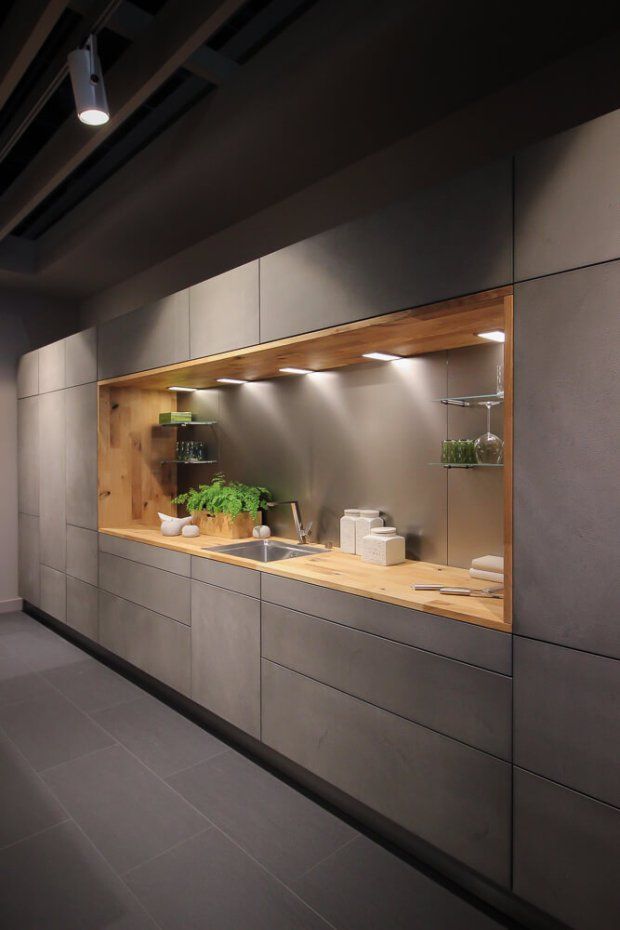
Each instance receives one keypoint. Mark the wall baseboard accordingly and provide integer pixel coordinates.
(13, 604)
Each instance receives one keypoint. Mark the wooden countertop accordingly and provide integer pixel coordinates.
(343, 572)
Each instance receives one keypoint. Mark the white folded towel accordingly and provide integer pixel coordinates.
(487, 576)
(489, 563)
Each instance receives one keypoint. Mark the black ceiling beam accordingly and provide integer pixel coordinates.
(175, 33)
(98, 13)
(25, 29)
(269, 18)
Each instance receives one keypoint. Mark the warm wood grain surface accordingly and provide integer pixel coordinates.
(348, 573)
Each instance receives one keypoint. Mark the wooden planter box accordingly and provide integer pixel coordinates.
(223, 525)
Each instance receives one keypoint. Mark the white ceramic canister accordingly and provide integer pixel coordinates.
(366, 521)
(383, 546)
(347, 530)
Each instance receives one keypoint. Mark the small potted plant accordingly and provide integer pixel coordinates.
(225, 508)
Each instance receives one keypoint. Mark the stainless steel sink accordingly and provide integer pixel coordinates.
(268, 550)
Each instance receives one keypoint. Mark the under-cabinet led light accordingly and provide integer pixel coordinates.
(381, 356)
(494, 335)
(296, 371)
(186, 390)
(231, 381)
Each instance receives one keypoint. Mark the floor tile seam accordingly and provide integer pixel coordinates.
(187, 768)
(334, 852)
(85, 755)
(126, 873)
(31, 836)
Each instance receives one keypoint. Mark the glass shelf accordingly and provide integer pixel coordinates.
(469, 465)
(190, 462)
(473, 400)
(190, 423)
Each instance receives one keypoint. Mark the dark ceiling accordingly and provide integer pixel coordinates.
(221, 107)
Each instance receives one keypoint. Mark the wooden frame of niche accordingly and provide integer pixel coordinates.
(132, 485)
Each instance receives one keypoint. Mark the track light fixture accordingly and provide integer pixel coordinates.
(89, 93)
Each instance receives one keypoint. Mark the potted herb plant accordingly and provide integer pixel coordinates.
(225, 508)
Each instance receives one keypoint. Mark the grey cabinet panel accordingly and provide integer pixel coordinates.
(158, 590)
(149, 641)
(452, 796)
(82, 607)
(567, 725)
(52, 500)
(177, 562)
(226, 655)
(52, 370)
(81, 411)
(154, 335)
(54, 593)
(566, 204)
(28, 455)
(81, 357)
(28, 374)
(566, 853)
(28, 557)
(82, 554)
(445, 241)
(223, 312)
(567, 587)
(242, 580)
(453, 638)
(468, 703)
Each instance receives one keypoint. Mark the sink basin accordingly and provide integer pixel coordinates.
(268, 550)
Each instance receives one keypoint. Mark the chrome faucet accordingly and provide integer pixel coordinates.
(302, 531)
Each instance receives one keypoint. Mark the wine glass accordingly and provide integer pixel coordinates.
(489, 448)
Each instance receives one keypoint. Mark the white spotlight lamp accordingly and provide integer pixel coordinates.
(89, 93)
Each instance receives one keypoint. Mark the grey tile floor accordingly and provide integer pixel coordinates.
(117, 812)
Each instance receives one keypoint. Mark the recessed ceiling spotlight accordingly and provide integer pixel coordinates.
(186, 390)
(381, 356)
(296, 371)
(89, 93)
(493, 335)
(231, 381)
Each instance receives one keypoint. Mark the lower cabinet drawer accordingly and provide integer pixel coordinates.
(151, 642)
(155, 588)
(226, 655)
(450, 795)
(468, 703)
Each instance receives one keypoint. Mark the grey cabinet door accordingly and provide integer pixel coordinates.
(82, 554)
(566, 853)
(566, 582)
(28, 455)
(156, 644)
(445, 241)
(226, 655)
(168, 561)
(154, 335)
(566, 204)
(54, 593)
(28, 559)
(28, 374)
(223, 312)
(233, 577)
(52, 479)
(452, 796)
(471, 704)
(567, 725)
(81, 357)
(81, 413)
(52, 368)
(161, 591)
(82, 607)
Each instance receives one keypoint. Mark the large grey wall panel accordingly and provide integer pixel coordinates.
(82, 607)
(471, 704)
(446, 241)
(28, 374)
(149, 641)
(567, 205)
(161, 591)
(52, 369)
(52, 497)
(81, 408)
(154, 335)
(82, 554)
(223, 312)
(81, 357)
(177, 562)
(226, 631)
(28, 454)
(567, 586)
(566, 853)
(453, 638)
(54, 593)
(567, 725)
(452, 796)
(29, 563)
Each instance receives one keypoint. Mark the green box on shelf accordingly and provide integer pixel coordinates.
(175, 416)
